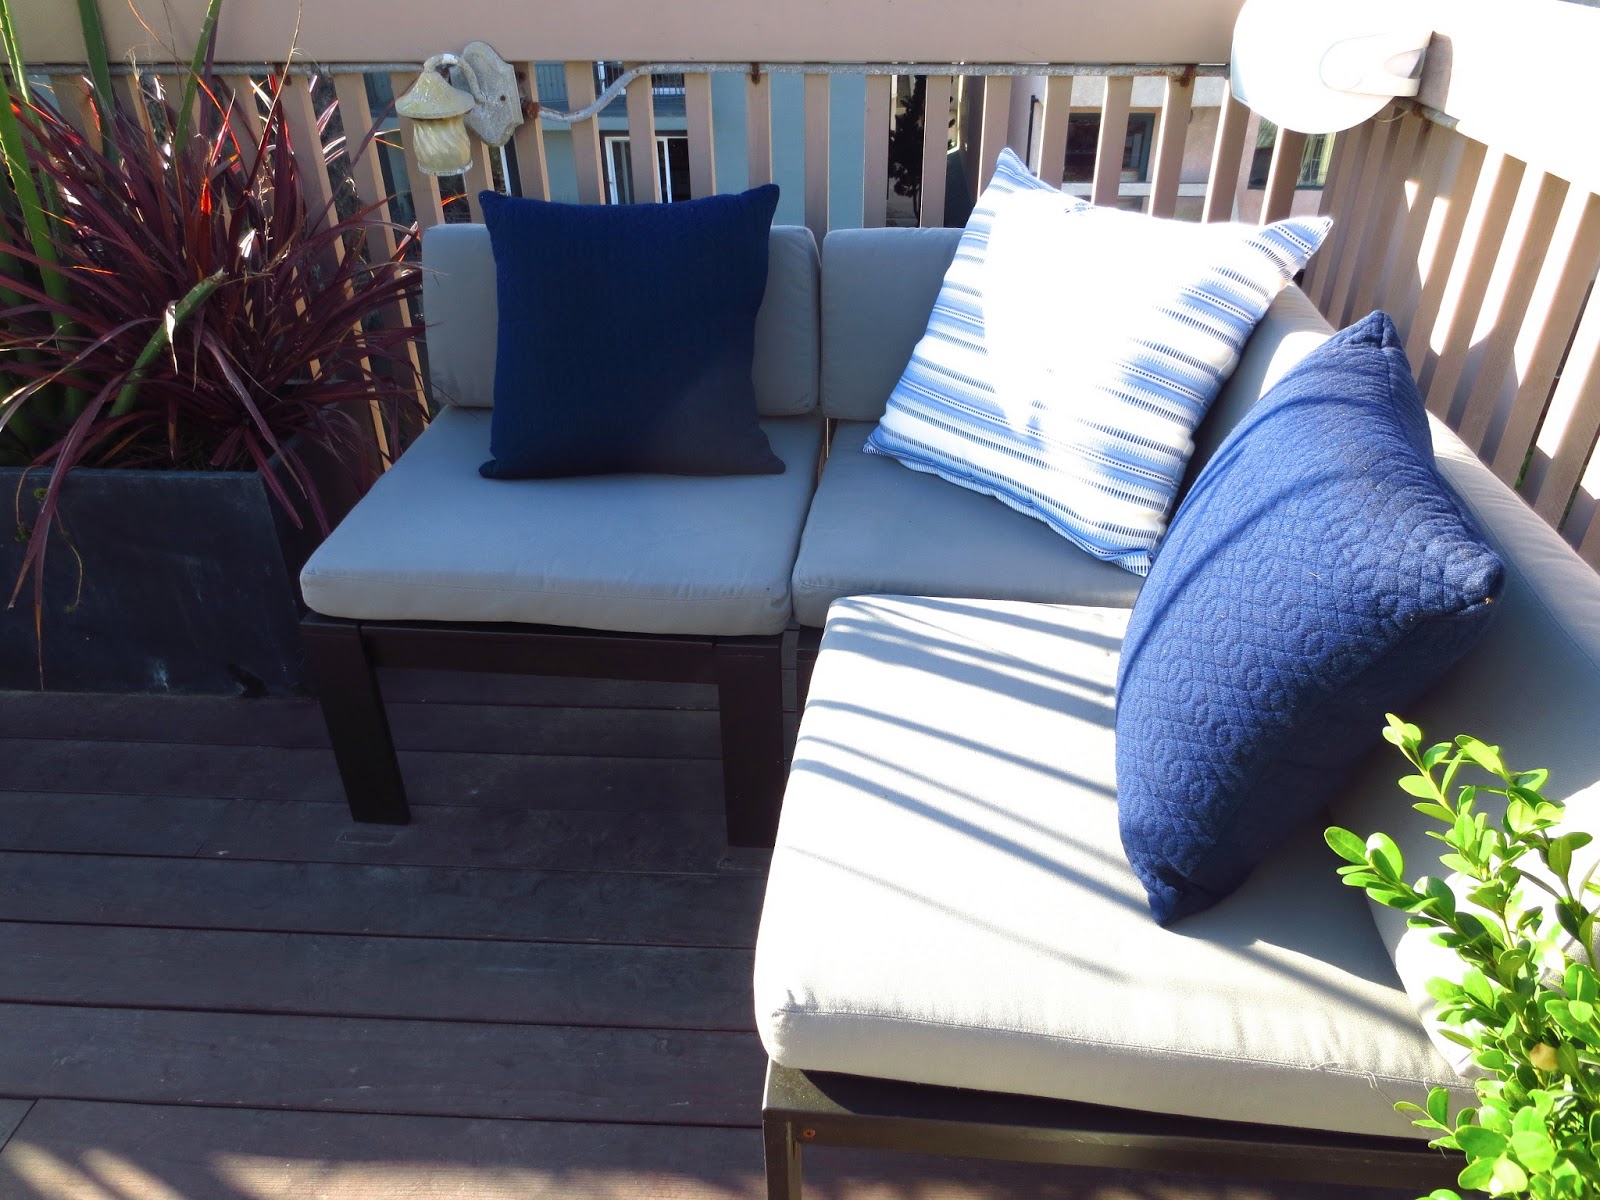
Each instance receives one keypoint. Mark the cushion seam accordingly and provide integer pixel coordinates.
(1064, 1039)
(322, 577)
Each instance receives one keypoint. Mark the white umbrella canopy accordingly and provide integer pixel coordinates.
(1320, 68)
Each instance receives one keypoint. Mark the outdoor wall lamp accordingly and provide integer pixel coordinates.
(441, 113)
(1320, 68)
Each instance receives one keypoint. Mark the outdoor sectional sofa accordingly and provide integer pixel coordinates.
(651, 577)
(955, 956)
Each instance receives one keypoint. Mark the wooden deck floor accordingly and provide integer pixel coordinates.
(214, 987)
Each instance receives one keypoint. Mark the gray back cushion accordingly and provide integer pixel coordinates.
(458, 295)
(1291, 329)
(878, 287)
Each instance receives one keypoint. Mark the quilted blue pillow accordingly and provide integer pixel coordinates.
(626, 336)
(1320, 573)
(1072, 352)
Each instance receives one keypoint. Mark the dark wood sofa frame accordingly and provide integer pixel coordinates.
(814, 1108)
(345, 656)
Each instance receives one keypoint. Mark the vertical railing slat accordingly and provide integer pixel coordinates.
(758, 128)
(996, 124)
(1401, 284)
(1172, 132)
(875, 154)
(478, 177)
(533, 168)
(425, 200)
(1582, 526)
(1473, 397)
(1447, 216)
(1349, 148)
(1354, 245)
(1470, 268)
(642, 139)
(300, 114)
(75, 102)
(701, 133)
(1053, 136)
(129, 91)
(300, 111)
(585, 134)
(1552, 312)
(816, 154)
(1227, 155)
(1389, 216)
(1338, 164)
(935, 148)
(246, 109)
(1283, 175)
(1567, 434)
(1113, 138)
(365, 173)
(1322, 268)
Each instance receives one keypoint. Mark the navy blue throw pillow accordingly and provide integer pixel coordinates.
(1320, 573)
(626, 336)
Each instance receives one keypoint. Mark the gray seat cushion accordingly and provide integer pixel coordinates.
(435, 541)
(949, 902)
(876, 526)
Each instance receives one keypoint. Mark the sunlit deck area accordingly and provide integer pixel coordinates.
(216, 988)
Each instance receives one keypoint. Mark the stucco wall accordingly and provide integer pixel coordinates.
(689, 30)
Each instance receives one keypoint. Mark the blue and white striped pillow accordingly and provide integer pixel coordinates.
(1073, 350)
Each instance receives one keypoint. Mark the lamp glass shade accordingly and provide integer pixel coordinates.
(442, 146)
(438, 121)
(1319, 67)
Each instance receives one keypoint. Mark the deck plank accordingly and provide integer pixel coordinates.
(297, 724)
(12, 1113)
(273, 773)
(442, 836)
(75, 1148)
(200, 720)
(349, 976)
(464, 687)
(505, 905)
(419, 1068)
(110, 824)
(288, 830)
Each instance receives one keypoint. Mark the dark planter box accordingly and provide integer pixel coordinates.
(190, 583)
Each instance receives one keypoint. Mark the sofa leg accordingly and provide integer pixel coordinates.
(358, 726)
(783, 1158)
(805, 662)
(750, 697)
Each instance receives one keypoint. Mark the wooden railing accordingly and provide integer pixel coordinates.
(1029, 108)
(1485, 252)
(824, 129)
(1485, 261)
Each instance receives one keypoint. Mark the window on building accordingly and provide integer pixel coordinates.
(1313, 163)
(672, 167)
(663, 84)
(1083, 139)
